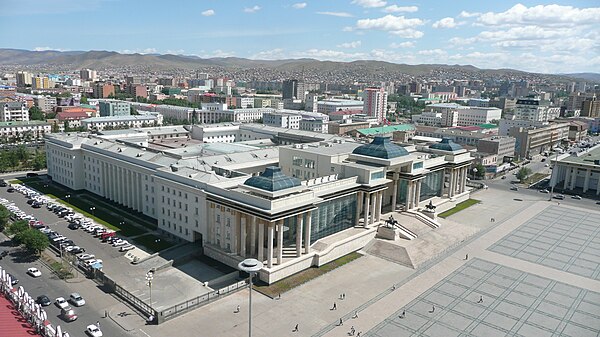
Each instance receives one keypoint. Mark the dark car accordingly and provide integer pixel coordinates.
(32, 174)
(3, 254)
(77, 251)
(73, 225)
(14, 279)
(36, 205)
(30, 201)
(43, 300)
(3, 183)
(10, 190)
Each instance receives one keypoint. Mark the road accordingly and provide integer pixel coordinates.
(97, 301)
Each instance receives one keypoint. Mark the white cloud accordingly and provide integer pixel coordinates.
(139, 51)
(272, 54)
(325, 54)
(543, 15)
(175, 52)
(445, 23)
(208, 12)
(299, 5)
(399, 9)
(407, 44)
(217, 53)
(348, 29)
(252, 9)
(465, 14)
(338, 14)
(370, 3)
(397, 25)
(353, 44)
(48, 48)
(428, 52)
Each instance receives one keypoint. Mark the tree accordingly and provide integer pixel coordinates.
(4, 216)
(39, 160)
(36, 114)
(84, 100)
(523, 173)
(17, 229)
(22, 154)
(479, 171)
(34, 240)
(55, 128)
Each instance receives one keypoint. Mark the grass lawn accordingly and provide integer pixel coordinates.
(82, 206)
(149, 241)
(24, 180)
(465, 204)
(302, 277)
(534, 178)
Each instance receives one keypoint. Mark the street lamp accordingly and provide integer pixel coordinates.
(93, 209)
(149, 278)
(250, 266)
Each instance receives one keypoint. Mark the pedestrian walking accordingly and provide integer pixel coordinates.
(105, 314)
(352, 331)
(355, 314)
(341, 322)
(480, 299)
(432, 309)
(279, 296)
(467, 257)
(237, 309)
(334, 306)
(98, 324)
(358, 334)
(394, 287)
(295, 328)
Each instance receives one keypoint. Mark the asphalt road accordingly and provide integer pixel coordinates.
(97, 301)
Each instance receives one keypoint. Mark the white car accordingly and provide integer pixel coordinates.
(76, 299)
(93, 331)
(126, 248)
(61, 302)
(120, 243)
(34, 272)
(86, 256)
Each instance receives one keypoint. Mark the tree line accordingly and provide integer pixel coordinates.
(21, 158)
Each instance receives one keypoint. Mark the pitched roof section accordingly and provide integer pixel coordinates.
(446, 145)
(381, 147)
(272, 180)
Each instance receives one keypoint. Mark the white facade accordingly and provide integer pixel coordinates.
(477, 116)
(135, 121)
(14, 111)
(244, 102)
(531, 110)
(328, 106)
(282, 120)
(20, 129)
(375, 103)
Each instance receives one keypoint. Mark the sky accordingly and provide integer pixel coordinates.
(551, 37)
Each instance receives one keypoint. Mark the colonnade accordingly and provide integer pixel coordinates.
(369, 203)
(121, 185)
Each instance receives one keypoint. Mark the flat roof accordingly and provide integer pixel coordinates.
(584, 158)
(386, 129)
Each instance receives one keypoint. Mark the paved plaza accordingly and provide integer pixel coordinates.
(486, 299)
(562, 238)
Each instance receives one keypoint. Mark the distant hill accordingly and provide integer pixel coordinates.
(594, 77)
(110, 59)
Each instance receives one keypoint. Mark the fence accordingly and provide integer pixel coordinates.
(199, 301)
(131, 299)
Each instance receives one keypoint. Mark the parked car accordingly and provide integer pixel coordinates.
(514, 188)
(68, 314)
(10, 190)
(73, 226)
(13, 279)
(61, 302)
(126, 248)
(43, 300)
(31, 174)
(93, 331)
(559, 196)
(544, 191)
(84, 257)
(76, 299)
(576, 197)
(34, 272)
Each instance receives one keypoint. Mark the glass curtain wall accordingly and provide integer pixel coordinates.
(431, 185)
(333, 216)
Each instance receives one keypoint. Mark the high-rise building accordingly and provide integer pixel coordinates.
(375, 103)
(23, 79)
(103, 90)
(88, 75)
(591, 108)
(40, 82)
(290, 89)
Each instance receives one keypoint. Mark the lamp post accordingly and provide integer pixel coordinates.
(250, 266)
(67, 197)
(93, 210)
(553, 172)
(149, 278)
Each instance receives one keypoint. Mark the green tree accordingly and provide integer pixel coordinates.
(4, 216)
(55, 128)
(36, 114)
(479, 171)
(39, 160)
(34, 241)
(84, 100)
(523, 173)
(21, 153)
(17, 229)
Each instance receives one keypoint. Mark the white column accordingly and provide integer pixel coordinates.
(252, 236)
(299, 225)
(567, 175)
(242, 226)
(367, 208)
(573, 178)
(586, 182)
(307, 233)
(280, 243)
(372, 211)
(418, 193)
(270, 235)
(395, 192)
(452, 181)
(379, 205)
(598, 187)
(261, 240)
(409, 194)
(358, 203)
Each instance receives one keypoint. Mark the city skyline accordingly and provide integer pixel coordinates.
(523, 35)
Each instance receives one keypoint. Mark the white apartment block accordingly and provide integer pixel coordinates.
(244, 102)
(328, 106)
(282, 120)
(134, 121)
(451, 114)
(530, 109)
(20, 129)
(14, 111)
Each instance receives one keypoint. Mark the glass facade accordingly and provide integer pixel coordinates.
(333, 216)
(402, 191)
(431, 185)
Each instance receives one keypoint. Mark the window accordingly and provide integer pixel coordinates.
(218, 218)
(297, 161)
(377, 175)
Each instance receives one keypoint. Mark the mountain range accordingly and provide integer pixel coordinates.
(111, 59)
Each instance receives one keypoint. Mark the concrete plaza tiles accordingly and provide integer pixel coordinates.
(558, 237)
(514, 303)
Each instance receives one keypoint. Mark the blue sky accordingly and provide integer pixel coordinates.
(552, 37)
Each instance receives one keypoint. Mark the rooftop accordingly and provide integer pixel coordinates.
(381, 147)
(272, 180)
(386, 129)
(586, 158)
(446, 145)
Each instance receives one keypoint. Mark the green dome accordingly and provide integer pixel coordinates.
(381, 147)
(272, 180)
(446, 144)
